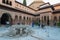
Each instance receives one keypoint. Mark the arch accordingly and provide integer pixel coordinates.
(6, 17)
(24, 18)
(47, 20)
(44, 18)
(16, 17)
(27, 18)
(59, 18)
(55, 18)
(20, 17)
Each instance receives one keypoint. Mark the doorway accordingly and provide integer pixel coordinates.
(6, 17)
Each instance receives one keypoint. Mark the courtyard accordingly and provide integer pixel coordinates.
(46, 33)
(36, 21)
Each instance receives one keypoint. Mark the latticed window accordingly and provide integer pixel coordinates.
(10, 3)
(7, 2)
(3, 1)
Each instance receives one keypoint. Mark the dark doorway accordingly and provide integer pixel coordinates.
(6, 17)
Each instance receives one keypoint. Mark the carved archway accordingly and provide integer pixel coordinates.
(6, 17)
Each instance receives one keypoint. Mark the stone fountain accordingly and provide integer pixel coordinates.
(18, 30)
